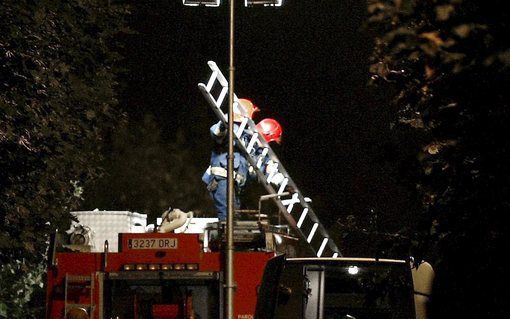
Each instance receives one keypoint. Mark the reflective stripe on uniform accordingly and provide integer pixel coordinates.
(219, 171)
(222, 172)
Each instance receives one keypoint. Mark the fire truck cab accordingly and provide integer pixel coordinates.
(336, 288)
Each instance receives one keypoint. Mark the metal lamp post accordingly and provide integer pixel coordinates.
(229, 248)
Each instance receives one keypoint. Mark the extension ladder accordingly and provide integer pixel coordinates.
(293, 206)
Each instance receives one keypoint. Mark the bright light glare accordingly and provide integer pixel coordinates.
(266, 3)
(207, 3)
(353, 270)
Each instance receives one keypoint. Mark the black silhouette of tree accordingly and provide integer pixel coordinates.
(444, 67)
(57, 102)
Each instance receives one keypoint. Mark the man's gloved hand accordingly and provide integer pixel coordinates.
(271, 166)
(278, 177)
(222, 127)
(251, 171)
(290, 189)
(218, 130)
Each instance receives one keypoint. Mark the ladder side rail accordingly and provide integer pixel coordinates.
(223, 118)
(271, 190)
(92, 286)
(303, 201)
(287, 182)
(272, 156)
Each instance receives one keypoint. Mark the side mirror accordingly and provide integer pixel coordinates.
(284, 294)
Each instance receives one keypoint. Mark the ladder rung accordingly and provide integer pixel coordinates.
(78, 278)
(296, 209)
(83, 305)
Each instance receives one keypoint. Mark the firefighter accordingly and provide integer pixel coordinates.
(272, 131)
(215, 177)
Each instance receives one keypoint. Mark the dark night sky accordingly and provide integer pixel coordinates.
(304, 64)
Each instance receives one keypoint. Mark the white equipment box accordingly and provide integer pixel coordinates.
(195, 225)
(106, 225)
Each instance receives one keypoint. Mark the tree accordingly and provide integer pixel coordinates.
(57, 102)
(446, 65)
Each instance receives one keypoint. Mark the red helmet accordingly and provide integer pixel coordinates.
(270, 129)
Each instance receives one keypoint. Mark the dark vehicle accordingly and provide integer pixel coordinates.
(336, 288)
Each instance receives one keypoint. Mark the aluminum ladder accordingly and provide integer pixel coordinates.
(293, 206)
(79, 286)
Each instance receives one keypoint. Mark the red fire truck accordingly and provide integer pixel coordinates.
(154, 275)
(181, 275)
(150, 275)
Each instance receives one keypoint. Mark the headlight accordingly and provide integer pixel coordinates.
(141, 267)
(154, 267)
(77, 313)
(129, 267)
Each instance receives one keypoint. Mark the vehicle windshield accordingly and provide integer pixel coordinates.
(375, 291)
(346, 291)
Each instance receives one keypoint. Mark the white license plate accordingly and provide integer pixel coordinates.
(152, 243)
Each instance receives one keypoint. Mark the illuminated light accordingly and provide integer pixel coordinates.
(77, 313)
(196, 3)
(141, 267)
(129, 267)
(335, 255)
(353, 270)
(166, 267)
(191, 266)
(323, 245)
(179, 266)
(247, 3)
(312, 232)
(265, 3)
(154, 267)
(302, 217)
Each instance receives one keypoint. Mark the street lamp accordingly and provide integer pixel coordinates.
(266, 3)
(247, 3)
(207, 3)
(229, 247)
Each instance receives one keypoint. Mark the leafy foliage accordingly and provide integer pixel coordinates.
(57, 102)
(446, 65)
(21, 290)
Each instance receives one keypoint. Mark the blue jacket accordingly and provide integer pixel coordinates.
(220, 153)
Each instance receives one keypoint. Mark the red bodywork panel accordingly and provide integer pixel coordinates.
(248, 268)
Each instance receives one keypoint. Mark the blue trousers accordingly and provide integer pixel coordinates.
(219, 196)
